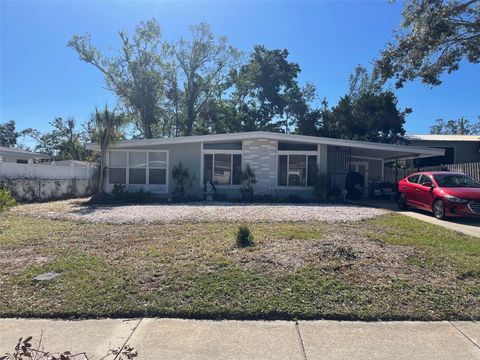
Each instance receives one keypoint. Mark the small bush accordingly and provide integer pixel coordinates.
(346, 253)
(118, 190)
(244, 237)
(6, 199)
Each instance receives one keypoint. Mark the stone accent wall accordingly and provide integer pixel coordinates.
(261, 155)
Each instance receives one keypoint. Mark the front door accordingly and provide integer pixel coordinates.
(361, 167)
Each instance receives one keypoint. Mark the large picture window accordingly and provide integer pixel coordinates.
(142, 167)
(297, 169)
(222, 168)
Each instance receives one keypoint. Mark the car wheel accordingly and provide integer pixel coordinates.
(439, 210)
(402, 202)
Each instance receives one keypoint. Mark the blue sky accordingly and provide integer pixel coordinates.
(41, 78)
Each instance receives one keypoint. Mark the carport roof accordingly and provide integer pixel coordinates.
(365, 149)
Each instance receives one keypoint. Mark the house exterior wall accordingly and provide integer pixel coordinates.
(189, 154)
(260, 154)
(465, 151)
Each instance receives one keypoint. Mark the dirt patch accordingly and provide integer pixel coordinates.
(14, 261)
(348, 256)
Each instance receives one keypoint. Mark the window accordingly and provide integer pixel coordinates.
(222, 169)
(291, 146)
(297, 170)
(117, 173)
(236, 145)
(413, 178)
(22, 161)
(140, 167)
(157, 163)
(137, 172)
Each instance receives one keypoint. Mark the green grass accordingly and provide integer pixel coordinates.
(401, 268)
(439, 247)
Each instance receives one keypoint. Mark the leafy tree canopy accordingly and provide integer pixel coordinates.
(8, 134)
(134, 74)
(456, 127)
(261, 88)
(434, 36)
(64, 142)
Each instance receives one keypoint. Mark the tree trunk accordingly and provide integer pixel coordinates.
(147, 130)
(191, 118)
(102, 169)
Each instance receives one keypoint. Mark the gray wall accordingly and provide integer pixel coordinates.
(465, 151)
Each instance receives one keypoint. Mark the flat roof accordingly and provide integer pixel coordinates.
(359, 148)
(22, 153)
(439, 137)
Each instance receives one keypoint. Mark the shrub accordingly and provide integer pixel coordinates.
(244, 237)
(6, 199)
(182, 178)
(118, 190)
(321, 185)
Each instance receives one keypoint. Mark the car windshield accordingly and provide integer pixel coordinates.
(456, 180)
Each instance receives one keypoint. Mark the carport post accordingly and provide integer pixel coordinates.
(396, 170)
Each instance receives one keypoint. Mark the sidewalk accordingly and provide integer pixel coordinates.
(158, 339)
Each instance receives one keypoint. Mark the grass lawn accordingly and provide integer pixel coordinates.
(391, 267)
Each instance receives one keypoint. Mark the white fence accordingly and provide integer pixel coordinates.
(37, 182)
(47, 171)
(471, 169)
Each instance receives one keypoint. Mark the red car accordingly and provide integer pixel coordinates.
(441, 192)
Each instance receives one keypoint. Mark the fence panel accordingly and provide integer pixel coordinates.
(38, 171)
(36, 182)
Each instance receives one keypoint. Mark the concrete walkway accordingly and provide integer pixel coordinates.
(191, 339)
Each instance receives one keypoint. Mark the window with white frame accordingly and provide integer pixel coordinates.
(297, 169)
(222, 168)
(157, 162)
(137, 167)
(142, 167)
(117, 172)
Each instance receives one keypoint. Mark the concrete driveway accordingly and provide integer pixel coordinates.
(195, 339)
(468, 226)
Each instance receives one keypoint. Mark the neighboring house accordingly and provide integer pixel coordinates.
(12, 155)
(74, 163)
(284, 164)
(459, 149)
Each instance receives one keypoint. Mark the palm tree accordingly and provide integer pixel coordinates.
(108, 125)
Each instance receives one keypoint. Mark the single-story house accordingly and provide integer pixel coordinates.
(283, 163)
(73, 163)
(459, 149)
(12, 155)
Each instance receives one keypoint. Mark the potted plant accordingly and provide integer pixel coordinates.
(182, 178)
(248, 180)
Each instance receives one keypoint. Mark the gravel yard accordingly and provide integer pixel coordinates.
(197, 212)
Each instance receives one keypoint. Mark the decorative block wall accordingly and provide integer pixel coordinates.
(261, 155)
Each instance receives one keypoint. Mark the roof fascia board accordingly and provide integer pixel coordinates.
(272, 136)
